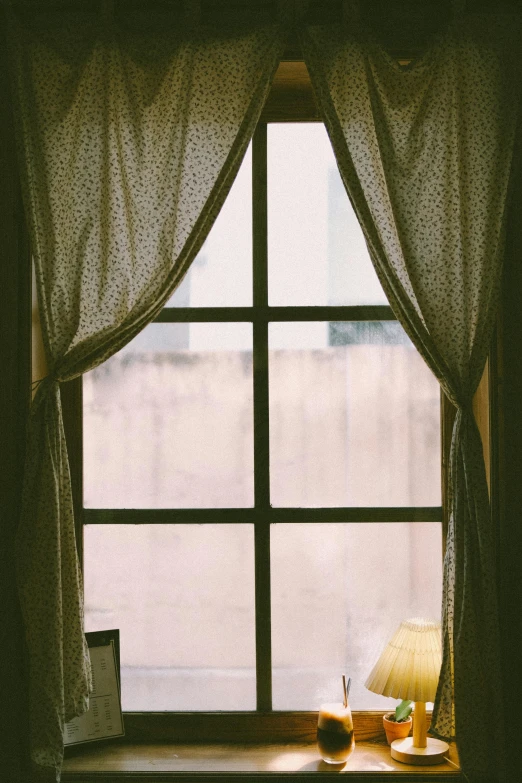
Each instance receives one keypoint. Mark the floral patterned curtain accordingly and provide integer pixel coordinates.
(131, 130)
(425, 153)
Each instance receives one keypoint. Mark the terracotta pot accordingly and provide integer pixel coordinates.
(396, 730)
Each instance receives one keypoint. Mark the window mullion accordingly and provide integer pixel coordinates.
(261, 425)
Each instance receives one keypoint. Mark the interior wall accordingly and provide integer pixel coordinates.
(14, 401)
(508, 445)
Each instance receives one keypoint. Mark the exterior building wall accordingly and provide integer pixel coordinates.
(350, 425)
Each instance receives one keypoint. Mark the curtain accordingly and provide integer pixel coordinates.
(425, 154)
(131, 129)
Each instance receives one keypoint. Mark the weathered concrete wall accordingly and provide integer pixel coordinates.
(350, 425)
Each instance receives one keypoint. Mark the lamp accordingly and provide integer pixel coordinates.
(409, 668)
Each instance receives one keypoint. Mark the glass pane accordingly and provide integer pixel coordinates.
(339, 591)
(312, 227)
(221, 273)
(168, 421)
(183, 599)
(354, 417)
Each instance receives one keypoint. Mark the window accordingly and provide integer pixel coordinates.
(262, 464)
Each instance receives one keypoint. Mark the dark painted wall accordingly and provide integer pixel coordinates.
(14, 401)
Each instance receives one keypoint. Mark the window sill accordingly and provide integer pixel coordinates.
(272, 762)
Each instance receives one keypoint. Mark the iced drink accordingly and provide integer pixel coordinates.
(335, 733)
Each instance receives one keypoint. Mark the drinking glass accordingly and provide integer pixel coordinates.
(335, 738)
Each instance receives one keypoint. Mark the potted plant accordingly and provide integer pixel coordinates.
(397, 724)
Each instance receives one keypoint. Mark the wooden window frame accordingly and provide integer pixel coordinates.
(290, 100)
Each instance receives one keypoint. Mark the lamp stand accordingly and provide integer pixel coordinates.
(419, 749)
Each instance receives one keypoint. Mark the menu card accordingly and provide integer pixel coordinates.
(103, 719)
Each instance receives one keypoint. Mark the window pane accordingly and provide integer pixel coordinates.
(183, 599)
(221, 273)
(317, 254)
(354, 417)
(168, 421)
(339, 591)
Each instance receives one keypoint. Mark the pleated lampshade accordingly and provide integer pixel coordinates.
(409, 665)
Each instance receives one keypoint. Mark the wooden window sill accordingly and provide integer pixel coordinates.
(124, 761)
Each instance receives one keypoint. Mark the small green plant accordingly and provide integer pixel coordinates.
(402, 711)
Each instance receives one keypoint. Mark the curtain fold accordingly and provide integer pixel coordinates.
(425, 154)
(131, 131)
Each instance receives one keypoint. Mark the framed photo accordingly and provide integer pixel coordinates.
(103, 719)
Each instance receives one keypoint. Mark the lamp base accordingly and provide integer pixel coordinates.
(404, 750)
